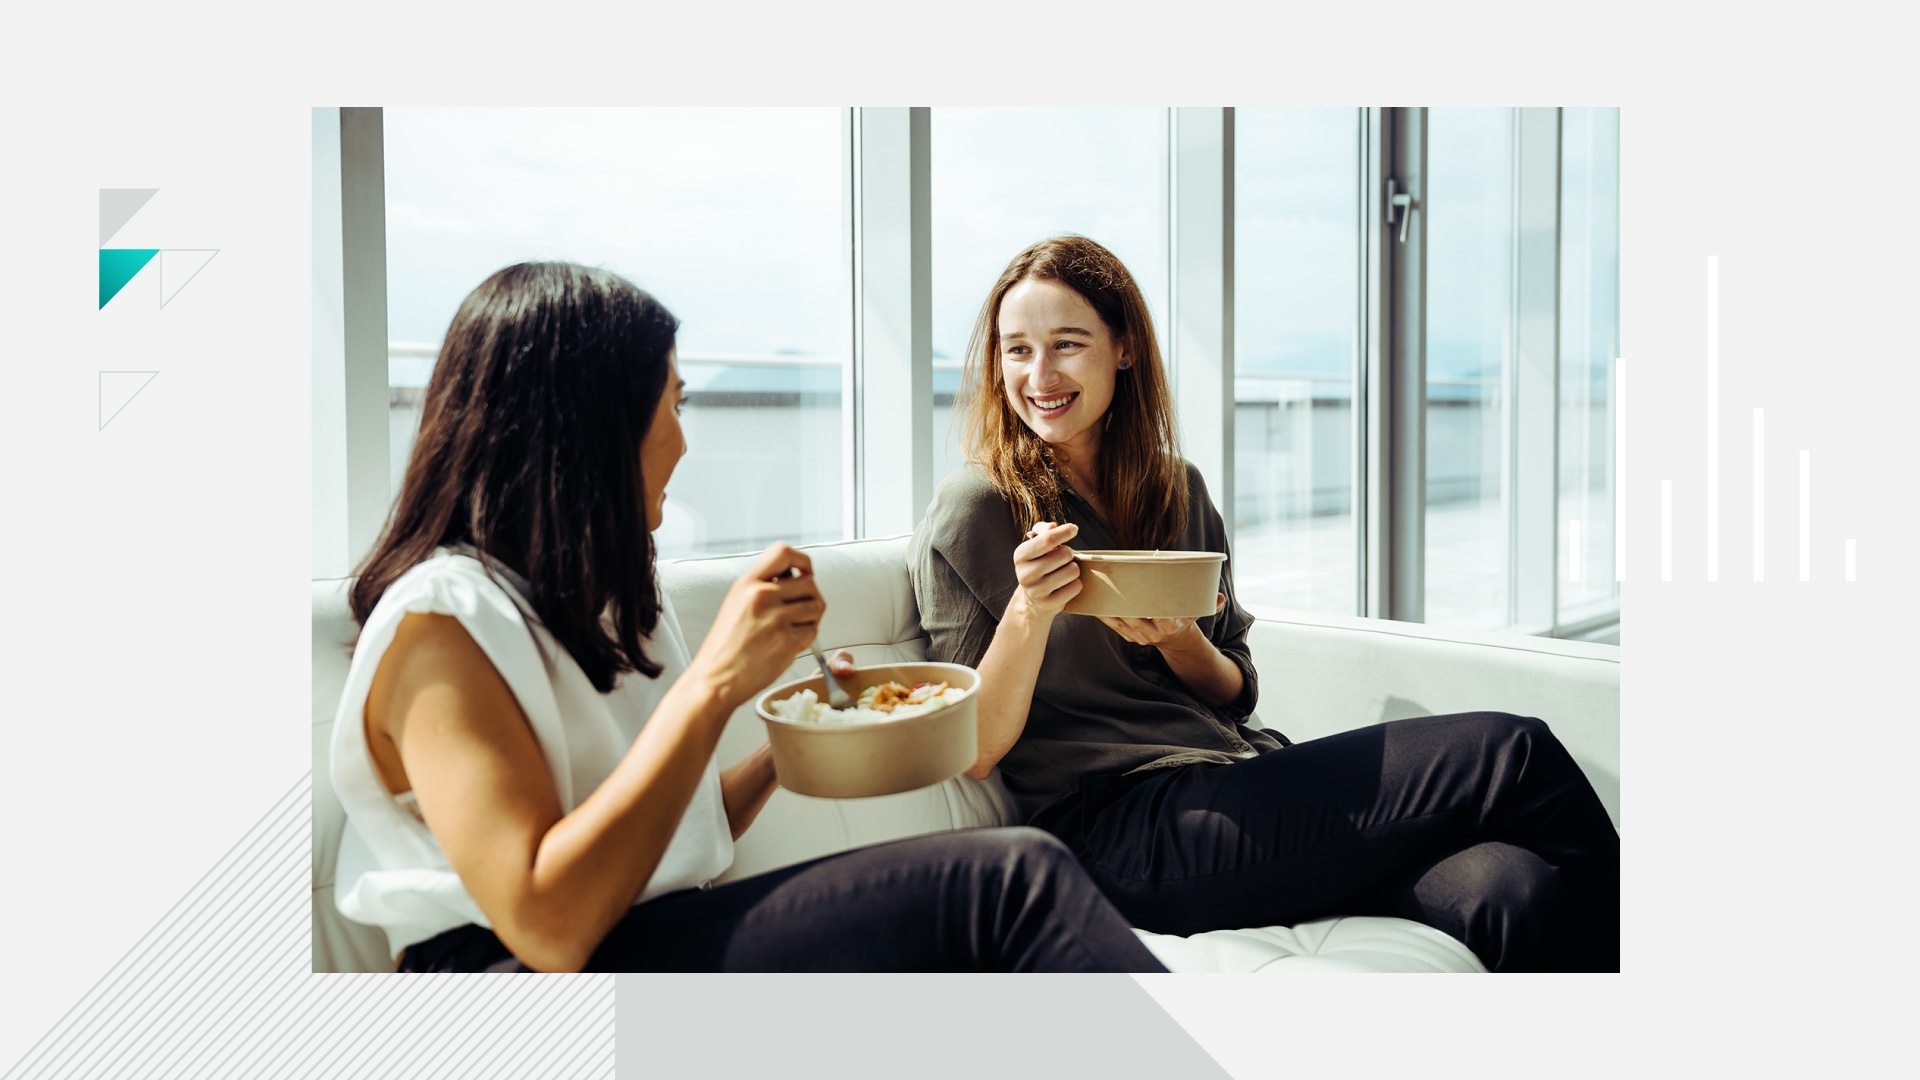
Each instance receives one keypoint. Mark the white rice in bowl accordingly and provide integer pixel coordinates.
(806, 707)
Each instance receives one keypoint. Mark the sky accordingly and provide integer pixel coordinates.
(733, 218)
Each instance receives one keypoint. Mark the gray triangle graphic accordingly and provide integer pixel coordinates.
(122, 380)
(882, 1028)
(166, 295)
(117, 207)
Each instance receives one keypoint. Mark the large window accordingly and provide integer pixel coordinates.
(1263, 240)
(731, 217)
(1004, 178)
(1470, 341)
(1296, 319)
(1589, 346)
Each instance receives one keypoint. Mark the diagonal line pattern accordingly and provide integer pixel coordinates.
(223, 985)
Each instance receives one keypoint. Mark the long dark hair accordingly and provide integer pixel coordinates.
(529, 450)
(1143, 480)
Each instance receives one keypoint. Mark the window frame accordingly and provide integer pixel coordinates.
(886, 161)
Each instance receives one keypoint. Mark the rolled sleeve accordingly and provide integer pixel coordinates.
(961, 561)
(1229, 630)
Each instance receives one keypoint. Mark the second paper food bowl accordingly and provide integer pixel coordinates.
(1147, 584)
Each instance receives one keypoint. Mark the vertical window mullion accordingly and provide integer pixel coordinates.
(1587, 487)
(1202, 287)
(852, 479)
(1512, 370)
(1402, 386)
(329, 355)
(352, 471)
(893, 330)
(1370, 447)
(1534, 430)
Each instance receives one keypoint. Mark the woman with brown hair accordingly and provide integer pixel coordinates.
(1128, 738)
(525, 742)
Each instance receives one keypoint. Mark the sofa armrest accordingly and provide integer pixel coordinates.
(1324, 674)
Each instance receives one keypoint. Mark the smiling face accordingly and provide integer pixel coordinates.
(1058, 363)
(664, 445)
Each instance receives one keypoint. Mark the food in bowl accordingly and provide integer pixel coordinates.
(898, 746)
(886, 701)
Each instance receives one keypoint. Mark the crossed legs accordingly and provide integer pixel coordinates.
(1479, 824)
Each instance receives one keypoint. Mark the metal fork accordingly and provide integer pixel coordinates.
(836, 697)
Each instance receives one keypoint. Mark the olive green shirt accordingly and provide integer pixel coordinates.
(1102, 705)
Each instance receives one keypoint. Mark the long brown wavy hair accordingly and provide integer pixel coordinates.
(529, 451)
(1143, 479)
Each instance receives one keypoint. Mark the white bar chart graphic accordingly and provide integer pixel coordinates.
(1713, 418)
(1806, 516)
(1805, 536)
(1759, 495)
(1619, 469)
(1666, 530)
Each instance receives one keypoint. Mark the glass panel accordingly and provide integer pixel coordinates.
(1296, 320)
(1589, 343)
(731, 217)
(1004, 178)
(1469, 343)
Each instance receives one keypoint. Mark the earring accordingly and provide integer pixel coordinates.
(1125, 364)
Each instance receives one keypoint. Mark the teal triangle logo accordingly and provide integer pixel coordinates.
(117, 267)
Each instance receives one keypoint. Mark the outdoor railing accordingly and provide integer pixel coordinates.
(1250, 388)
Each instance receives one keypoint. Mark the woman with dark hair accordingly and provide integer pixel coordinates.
(524, 745)
(1128, 738)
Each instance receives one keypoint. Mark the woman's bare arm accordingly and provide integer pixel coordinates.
(1196, 661)
(746, 787)
(1048, 578)
(553, 884)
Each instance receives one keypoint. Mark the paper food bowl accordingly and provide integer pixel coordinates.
(875, 757)
(1147, 584)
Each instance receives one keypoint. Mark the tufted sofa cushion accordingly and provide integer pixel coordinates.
(1319, 675)
(1353, 943)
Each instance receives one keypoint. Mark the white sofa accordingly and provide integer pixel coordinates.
(1318, 675)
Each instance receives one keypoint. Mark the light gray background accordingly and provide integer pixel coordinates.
(150, 716)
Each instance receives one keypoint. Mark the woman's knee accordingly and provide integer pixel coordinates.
(1501, 728)
(1016, 862)
(1012, 845)
(1514, 909)
(1493, 879)
(1034, 845)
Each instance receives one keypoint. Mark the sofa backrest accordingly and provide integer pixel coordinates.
(1318, 675)
(1321, 674)
(339, 944)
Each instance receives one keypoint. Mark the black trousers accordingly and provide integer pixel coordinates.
(1477, 824)
(975, 900)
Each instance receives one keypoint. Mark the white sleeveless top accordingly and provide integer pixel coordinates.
(391, 872)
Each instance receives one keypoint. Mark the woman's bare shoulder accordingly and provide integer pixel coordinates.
(433, 657)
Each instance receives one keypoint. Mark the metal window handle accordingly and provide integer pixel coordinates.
(1398, 201)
